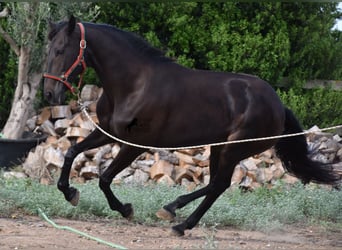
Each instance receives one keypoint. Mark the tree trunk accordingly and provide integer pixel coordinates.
(23, 98)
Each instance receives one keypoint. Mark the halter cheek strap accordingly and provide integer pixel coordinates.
(64, 78)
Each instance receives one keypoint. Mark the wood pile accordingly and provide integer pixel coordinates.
(66, 125)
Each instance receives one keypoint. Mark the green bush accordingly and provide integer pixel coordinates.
(8, 74)
(321, 107)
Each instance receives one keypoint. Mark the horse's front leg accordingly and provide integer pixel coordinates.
(126, 155)
(95, 139)
(168, 212)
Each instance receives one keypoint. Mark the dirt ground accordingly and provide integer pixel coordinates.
(30, 232)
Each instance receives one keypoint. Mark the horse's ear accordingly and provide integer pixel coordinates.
(71, 25)
(52, 28)
(52, 25)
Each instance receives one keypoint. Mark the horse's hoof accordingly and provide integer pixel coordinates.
(177, 230)
(127, 211)
(75, 197)
(165, 215)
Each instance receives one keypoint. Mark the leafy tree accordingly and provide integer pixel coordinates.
(271, 40)
(26, 36)
(316, 50)
(227, 36)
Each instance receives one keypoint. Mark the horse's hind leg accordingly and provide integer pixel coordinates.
(229, 156)
(95, 139)
(168, 212)
(126, 155)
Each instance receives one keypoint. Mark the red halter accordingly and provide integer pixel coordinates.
(79, 61)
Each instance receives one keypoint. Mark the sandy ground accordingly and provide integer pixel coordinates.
(29, 232)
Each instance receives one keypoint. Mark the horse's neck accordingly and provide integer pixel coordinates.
(118, 70)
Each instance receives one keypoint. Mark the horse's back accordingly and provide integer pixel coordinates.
(210, 105)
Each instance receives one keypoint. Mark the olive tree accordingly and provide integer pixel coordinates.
(25, 32)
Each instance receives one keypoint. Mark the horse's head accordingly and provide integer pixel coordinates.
(65, 59)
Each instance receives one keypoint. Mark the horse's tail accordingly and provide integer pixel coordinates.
(293, 152)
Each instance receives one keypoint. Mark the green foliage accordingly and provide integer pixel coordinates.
(8, 73)
(315, 49)
(29, 34)
(249, 38)
(268, 39)
(264, 209)
(33, 37)
(321, 107)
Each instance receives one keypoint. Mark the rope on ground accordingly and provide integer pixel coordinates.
(84, 110)
(42, 214)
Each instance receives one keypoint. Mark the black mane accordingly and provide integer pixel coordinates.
(138, 43)
(56, 29)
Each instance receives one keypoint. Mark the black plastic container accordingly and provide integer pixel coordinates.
(13, 152)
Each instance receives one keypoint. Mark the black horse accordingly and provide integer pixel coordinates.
(151, 100)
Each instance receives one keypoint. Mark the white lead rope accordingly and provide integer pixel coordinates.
(84, 110)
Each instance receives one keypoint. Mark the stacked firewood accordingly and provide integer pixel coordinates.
(66, 125)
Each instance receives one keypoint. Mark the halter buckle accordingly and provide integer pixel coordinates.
(83, 44)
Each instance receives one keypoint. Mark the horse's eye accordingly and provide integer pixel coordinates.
(59, 52)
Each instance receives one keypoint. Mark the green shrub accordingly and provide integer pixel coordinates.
(321, 107)
(8, 74)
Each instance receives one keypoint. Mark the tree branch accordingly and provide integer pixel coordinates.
(6, 36)
(4, 12)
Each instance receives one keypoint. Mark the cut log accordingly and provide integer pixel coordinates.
(191, 152)
(51, 140)
(98, 157)
(201, 160)
(54, 158)
(74, 107)
(206, 152)
(62, 111)
(252, 174)
(31, 123)
(239, 173)
(63, 144)
(196, 173)
(268, 174)
(77, 132)
(79, 161)
(87, 124)
(249, 164)
(77, 139)
(48, 128)
(115, 150)
(61, 125)
(44, 115)
(182, 172)
(140, 177)
(189, 185)
(34, 164)
(337, 167)
(165, 179)
(92, 107)
(246, 183)
(14, 174)
(46, 180)
(91, 152)
(89, 171)
(77, 120)
(161, 168)
(184, 158)
(89, 93)
(289, 179)
(277, 171)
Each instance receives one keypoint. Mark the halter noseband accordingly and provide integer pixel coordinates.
(79, 61)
